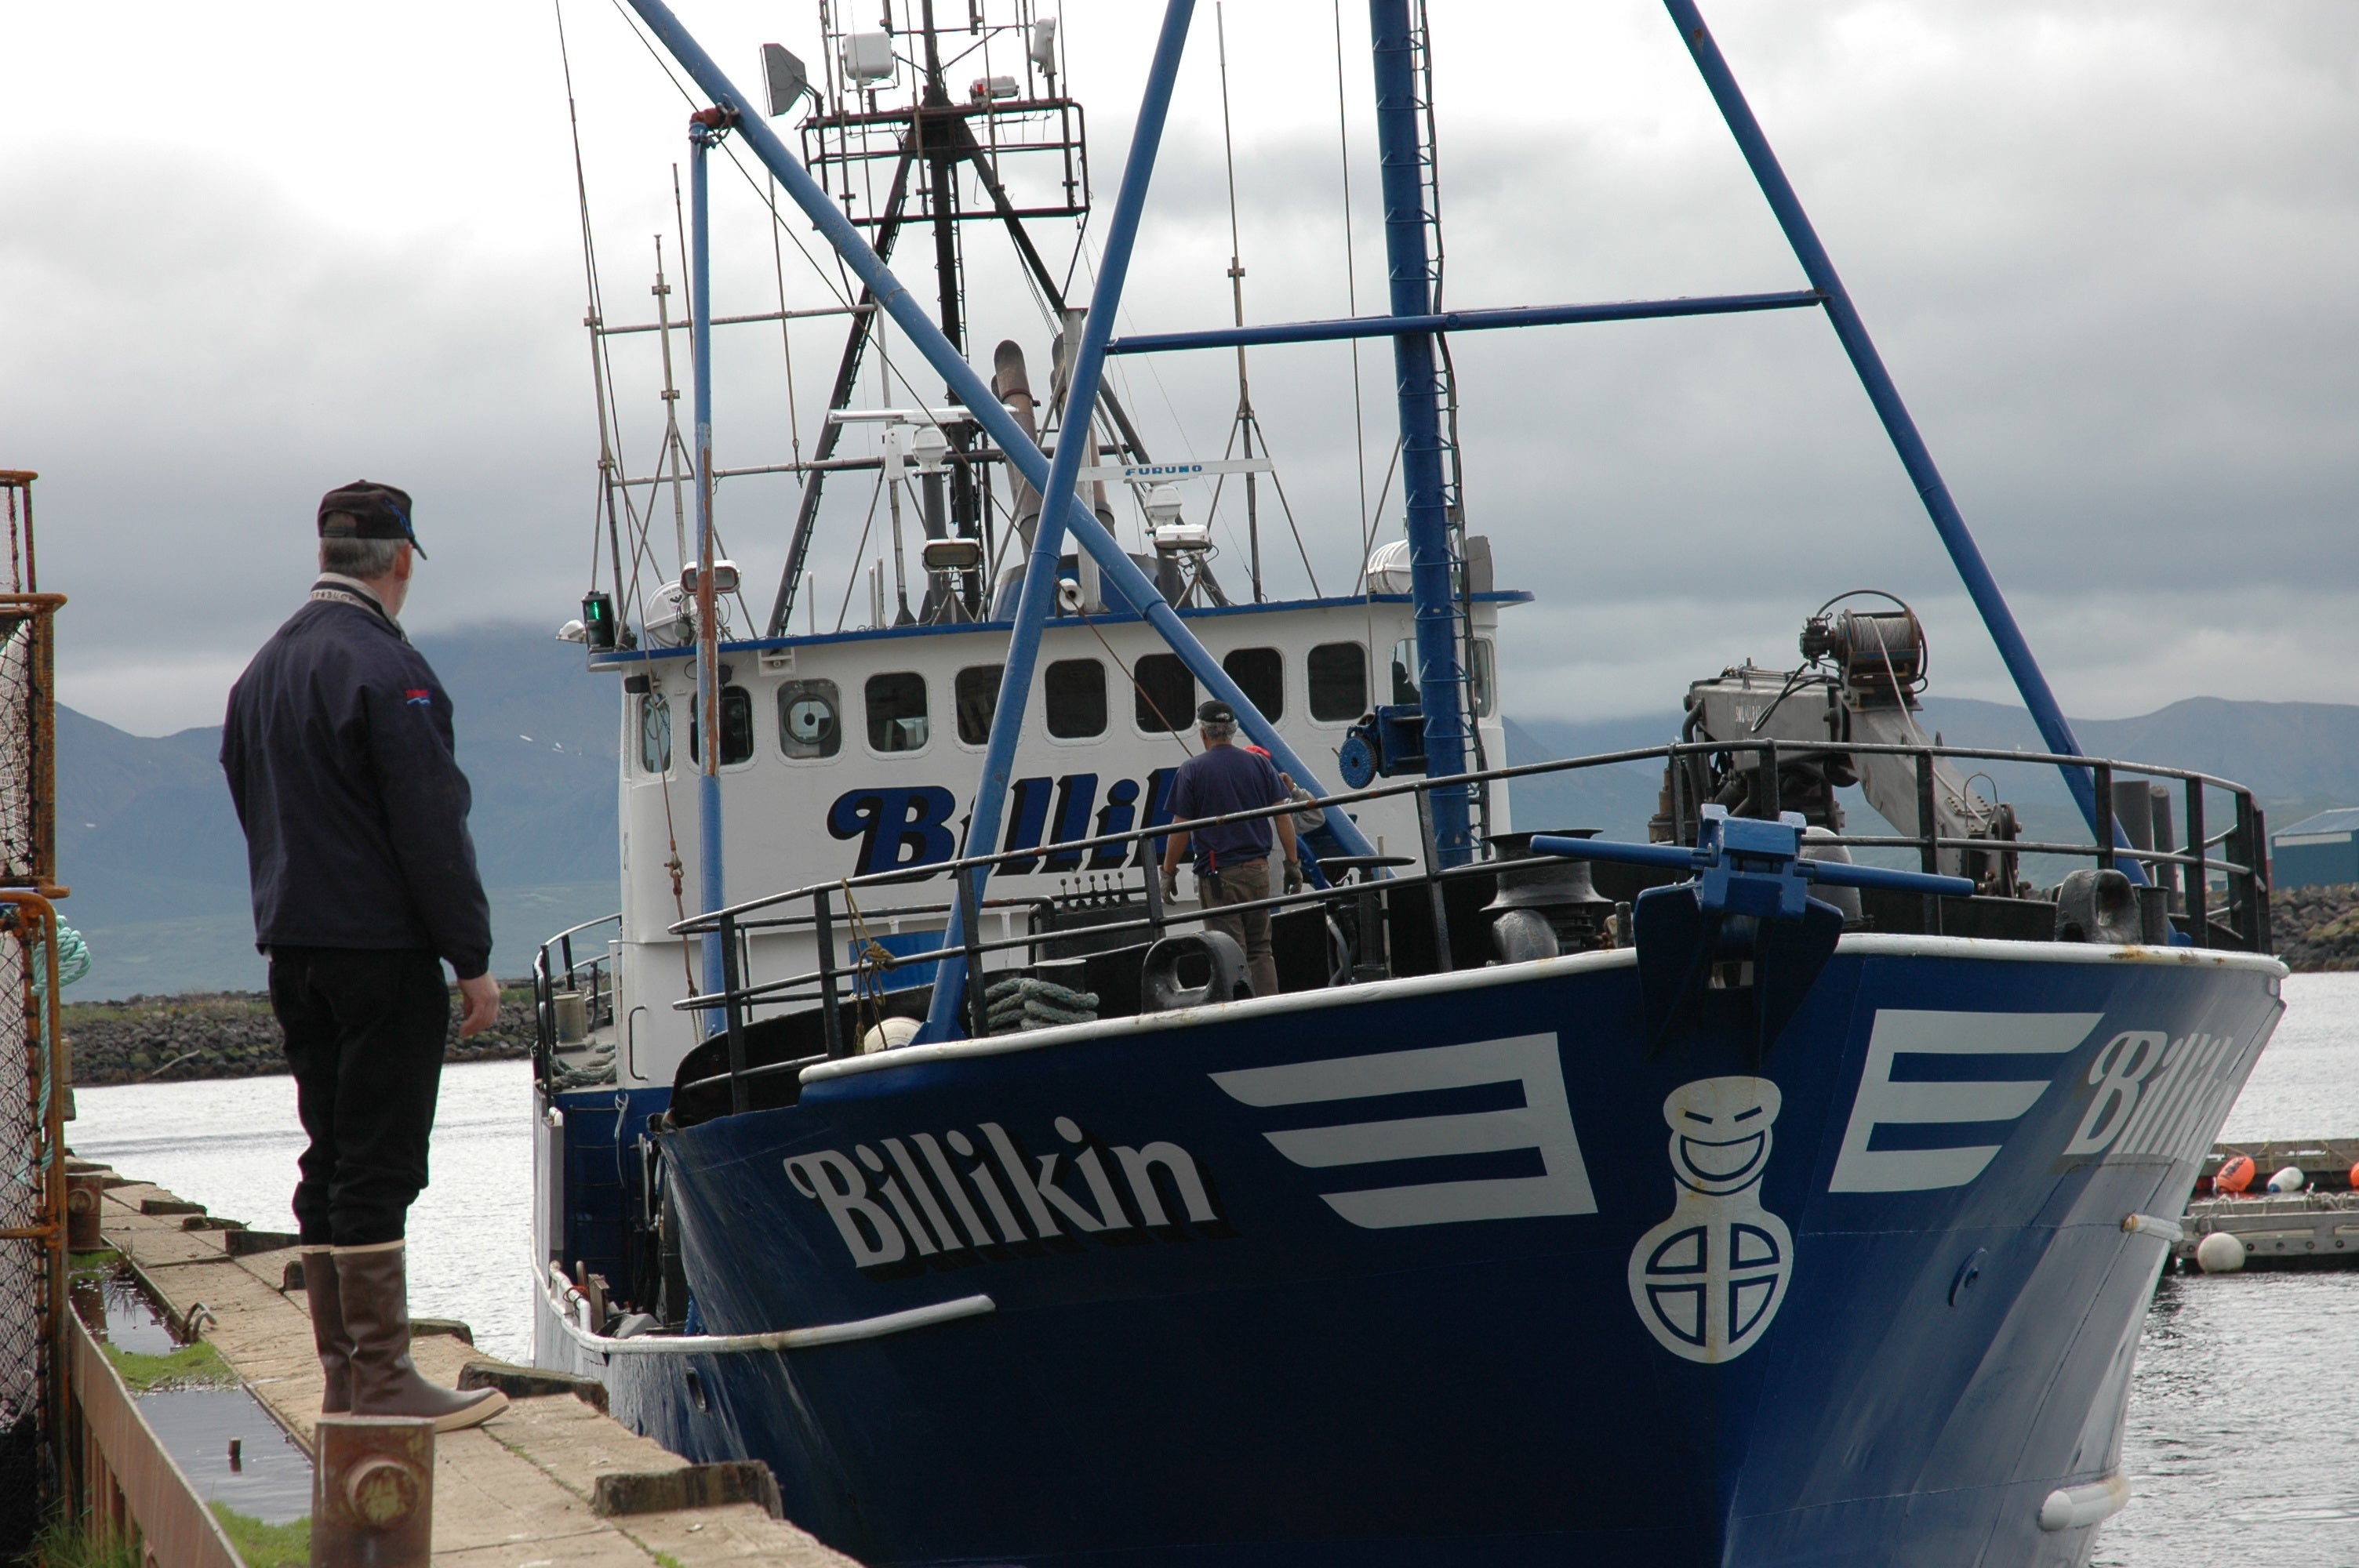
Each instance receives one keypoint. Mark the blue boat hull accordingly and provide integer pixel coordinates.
(1455, 1270)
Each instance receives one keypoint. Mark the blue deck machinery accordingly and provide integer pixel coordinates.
(1405, 155)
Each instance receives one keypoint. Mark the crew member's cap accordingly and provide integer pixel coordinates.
(1216, 712)
(366, 510)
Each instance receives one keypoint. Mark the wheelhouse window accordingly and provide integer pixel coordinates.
(1163, 696)
(1260, 673)
(737, 727)
(975, 694)
(655, 733)
(897, 711)
(1483, 678)
(1075, 693)
(1406, 667)
(1339, 682)
(810, 719)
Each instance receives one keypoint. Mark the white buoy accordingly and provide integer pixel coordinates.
(2290, 1180)
(889, 1035)
(2219, 1253)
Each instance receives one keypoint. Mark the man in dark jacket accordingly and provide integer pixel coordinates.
(340, 758)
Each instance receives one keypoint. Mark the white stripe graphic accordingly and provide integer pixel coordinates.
(1881, 1101)
(1543, 1122)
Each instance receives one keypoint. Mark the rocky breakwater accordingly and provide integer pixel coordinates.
(232, 1035)
(2316, 928)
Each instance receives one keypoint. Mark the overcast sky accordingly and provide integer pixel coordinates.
(2108, 250)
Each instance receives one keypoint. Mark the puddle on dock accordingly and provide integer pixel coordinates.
(271, 1479)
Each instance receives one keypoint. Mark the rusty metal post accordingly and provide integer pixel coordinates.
(85, 1202)
(373, 1492)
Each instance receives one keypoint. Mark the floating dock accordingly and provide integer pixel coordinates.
(551, 1480)
(2295, 1230)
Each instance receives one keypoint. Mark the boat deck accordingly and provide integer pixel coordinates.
(521, 1491)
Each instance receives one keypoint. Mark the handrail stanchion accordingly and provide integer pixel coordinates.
(2104, 825)
(733, 981)
(1152, 872)
(831, 1018)
(2256, 871)
(2198, 875)
(1433, 887)
(1929, 837)
(1772, 797)
(978, 1006)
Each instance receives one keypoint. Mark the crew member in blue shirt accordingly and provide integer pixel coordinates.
(1232, 858)
(339, 753)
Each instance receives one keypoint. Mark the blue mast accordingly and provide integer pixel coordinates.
(1117, 571)
(1401, 156)
(1040, 580)
(2054, 728)
(704, 130)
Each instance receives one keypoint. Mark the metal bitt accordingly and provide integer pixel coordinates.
(1039, 595)
(705, 129)
(373, 1493)
(1878, 381)
(1441, 681)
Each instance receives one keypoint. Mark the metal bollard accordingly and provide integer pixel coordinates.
(85, 1203)
(373, 1492)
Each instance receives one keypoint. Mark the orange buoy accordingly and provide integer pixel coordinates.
(2235, 1175)
(2354, 1178)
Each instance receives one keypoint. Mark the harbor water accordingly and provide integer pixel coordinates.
(2245, 1404)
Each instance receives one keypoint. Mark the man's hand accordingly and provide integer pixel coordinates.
(1293, 876)
(1171, 885)
(480, 999)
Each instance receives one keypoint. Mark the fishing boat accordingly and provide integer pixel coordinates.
(1731, 1196)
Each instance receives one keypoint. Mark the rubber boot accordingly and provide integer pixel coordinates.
(328, 1331)
(375, 1288)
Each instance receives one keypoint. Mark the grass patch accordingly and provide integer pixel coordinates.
(266, 1545)
(97, 1263)
(64, 1543)
(197, 1366)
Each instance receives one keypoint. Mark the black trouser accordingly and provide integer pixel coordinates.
(365, 1032)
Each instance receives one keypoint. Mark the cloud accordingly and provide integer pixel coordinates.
(2105, 246)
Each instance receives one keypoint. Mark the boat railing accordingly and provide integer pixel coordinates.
(2237, 920)
(561, 980)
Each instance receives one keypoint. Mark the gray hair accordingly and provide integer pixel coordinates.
(363, 558)
(1226, 730)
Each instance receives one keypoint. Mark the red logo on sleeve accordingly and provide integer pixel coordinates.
(418, 696)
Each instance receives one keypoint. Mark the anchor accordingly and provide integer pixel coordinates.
(1747, 900)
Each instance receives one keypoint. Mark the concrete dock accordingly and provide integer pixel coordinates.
(522, 1491)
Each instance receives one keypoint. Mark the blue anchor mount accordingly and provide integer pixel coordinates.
(1747, 900)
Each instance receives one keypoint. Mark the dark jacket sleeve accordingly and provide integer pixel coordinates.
(426, 802)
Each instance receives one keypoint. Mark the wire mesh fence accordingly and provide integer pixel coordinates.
(28, 736)
(30, 1243)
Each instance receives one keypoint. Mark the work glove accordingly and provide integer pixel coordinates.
(1293, 876)
(1171, 885)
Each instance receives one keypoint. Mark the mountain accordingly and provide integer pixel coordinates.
(153, 853)
(152, 850)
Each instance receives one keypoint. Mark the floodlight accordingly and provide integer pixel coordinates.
(787, 77)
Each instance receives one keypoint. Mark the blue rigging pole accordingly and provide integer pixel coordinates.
(1039, 595)
(1441, 683)
(1117, 571)
(2054, 728)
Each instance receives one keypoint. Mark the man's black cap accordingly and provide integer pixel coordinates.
(1216, 712)
(367, 510)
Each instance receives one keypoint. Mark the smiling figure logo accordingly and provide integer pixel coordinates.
(1707, 1281)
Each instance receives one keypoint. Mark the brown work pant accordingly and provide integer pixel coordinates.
(1244, 883)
